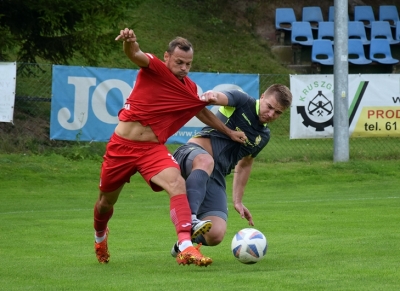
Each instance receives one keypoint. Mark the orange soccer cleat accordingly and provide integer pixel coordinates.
(101, 249)
(192, 255)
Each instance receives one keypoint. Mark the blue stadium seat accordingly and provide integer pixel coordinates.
(380, 52)
(313, 15)
(302, 33)
(326, 30)
(364, 13)
(284, 17)
(322, 52)
(381, 29)
(389, 13)
(331, 13)
(397, 31)
(356, 52)
(356, 30)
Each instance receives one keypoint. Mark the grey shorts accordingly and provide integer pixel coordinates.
(215, 203)
(185, 155)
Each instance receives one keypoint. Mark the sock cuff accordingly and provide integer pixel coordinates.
(178, 197)
(199, 172)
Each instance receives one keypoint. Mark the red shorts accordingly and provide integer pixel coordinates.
(123, 158)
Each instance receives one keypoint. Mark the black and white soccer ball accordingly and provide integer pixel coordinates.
(249, 245)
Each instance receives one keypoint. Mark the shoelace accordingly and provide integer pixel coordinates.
(198, 246)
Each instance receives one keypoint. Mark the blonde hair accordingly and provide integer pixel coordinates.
(281, 93)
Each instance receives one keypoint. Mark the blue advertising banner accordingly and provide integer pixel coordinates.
(86, 100)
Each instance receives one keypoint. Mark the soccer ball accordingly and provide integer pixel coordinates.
(249, 246)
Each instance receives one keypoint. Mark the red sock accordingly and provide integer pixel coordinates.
(101, 220)
(181, 216)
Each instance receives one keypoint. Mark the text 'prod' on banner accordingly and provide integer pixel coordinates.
(86, 100)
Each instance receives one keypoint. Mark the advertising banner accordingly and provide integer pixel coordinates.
(8, 73)
(374, 106)
(86, 100)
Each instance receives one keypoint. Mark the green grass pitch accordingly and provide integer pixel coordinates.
(329, 226)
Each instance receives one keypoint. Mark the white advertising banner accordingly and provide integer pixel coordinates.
(8, 72)
(374, 106)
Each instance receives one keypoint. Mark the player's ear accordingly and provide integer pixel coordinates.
(166, 56)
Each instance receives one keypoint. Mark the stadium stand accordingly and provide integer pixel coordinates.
(356, 30)
(313, 15)
(326, 30)
(331, 13)
(302, 33)
(356, 52)
(397, 31)
(364, 13)
(380, 52)
(370, 38)
(284, 17)
(381, 29)
(322, 52)
(389, 13)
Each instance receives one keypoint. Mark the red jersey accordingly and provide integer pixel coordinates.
(160, 100)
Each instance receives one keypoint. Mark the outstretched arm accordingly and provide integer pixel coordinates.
(240, 178)
(131, 47)
(215, 98)
(209, 118)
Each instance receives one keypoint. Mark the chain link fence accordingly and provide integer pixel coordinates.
(30, 129)
(281, 148)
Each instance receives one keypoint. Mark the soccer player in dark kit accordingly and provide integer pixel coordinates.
(207, 158)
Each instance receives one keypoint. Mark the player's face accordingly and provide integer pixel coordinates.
(179, 62)
(270, 109)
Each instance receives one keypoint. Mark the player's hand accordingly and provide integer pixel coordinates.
(244, 213)
(238, 136)
(127, 35)
(209, 96)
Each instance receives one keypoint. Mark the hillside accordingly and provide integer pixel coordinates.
(229, 36)
(222, 43)
(236, 36)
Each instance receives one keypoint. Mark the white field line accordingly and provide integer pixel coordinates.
(330, 200)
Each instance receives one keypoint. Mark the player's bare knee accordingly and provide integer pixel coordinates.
(215, 237)
(214, 240)
(204, 162)
(176, 185)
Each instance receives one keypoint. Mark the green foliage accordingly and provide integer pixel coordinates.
(219, 44)
(83, 32)
(55, 31)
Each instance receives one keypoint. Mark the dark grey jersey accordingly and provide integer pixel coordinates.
(241, 114)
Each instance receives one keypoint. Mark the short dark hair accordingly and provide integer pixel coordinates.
(181, 43)
(281, 93)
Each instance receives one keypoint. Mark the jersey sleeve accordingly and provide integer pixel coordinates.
(154, 63)
(236, 98)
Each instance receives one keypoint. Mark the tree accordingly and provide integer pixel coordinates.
(58, 30)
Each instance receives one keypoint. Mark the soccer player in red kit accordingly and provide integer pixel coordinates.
(162, 101)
